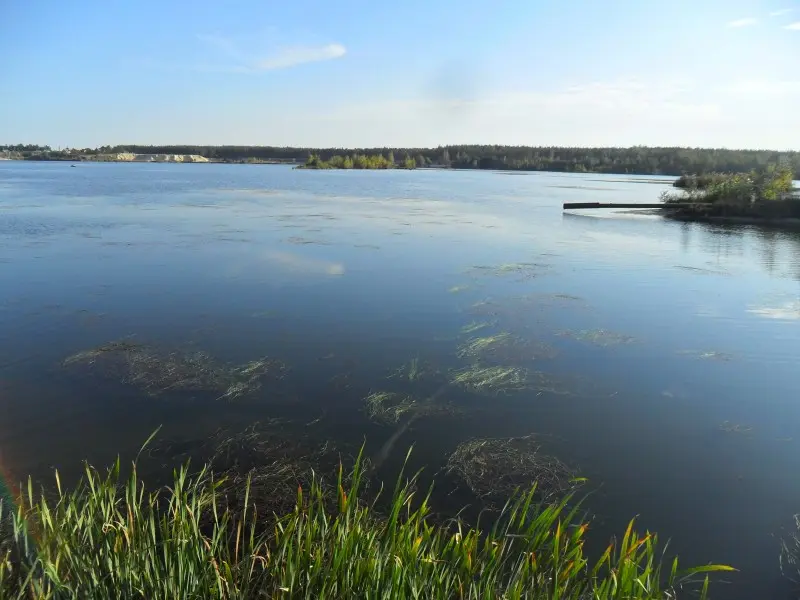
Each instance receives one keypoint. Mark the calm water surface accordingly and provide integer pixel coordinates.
(689, 419)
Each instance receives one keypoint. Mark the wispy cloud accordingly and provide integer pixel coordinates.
(298, 55)
(795, 26)
(669, 101)
(780, 13)
(240, 60)
(748, 22)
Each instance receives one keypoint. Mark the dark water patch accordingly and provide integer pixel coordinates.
(416, 370)
(266, 314)
(342, 381)
(245, 191)
(88, 318)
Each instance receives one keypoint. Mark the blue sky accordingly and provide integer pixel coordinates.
(412, 73)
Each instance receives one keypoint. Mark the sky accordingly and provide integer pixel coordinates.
(352, 73)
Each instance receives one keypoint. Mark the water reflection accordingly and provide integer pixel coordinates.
(620, 342)
(303, 265)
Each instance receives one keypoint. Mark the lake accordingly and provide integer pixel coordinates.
(660, 357)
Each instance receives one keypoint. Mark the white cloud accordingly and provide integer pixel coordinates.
(298, 55)
(742, 23)
(656, 100)
(750, 114)
(250, 61)
(795, 26)
(780, 13)
(764, 87)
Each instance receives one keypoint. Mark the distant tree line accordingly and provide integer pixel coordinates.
(25, 148)
(635, 160)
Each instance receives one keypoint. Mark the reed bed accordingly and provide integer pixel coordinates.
(113, 537)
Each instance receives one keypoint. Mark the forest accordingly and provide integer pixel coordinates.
(634, 160)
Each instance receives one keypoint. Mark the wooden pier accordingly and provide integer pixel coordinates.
(570, 205)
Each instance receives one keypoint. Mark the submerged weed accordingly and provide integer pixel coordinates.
(457, 289)
(497, 468)
(504, 347)
(476, 326)
(598, 337)
(522, 270)
(493, 380)
(729, 427)
(391, 407)
(481, 346)
(156, 372)
(707, 355)
(414, 371)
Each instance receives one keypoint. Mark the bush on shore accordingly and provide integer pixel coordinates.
(359, 161)
(765, 194)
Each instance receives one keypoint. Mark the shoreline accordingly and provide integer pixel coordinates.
(301, 166)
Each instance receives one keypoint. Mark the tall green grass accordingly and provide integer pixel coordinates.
(110, 537)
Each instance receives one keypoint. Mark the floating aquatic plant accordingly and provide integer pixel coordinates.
(708, 355)
(476, 326)
(599, 337)
(457, 289)
(481, 346)
(504, 347)
(522, 270)
(415, 370)
(729, 427)
(90, 356)
(496, 379)
(157, 372)
(388, 407)
(494, 468)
